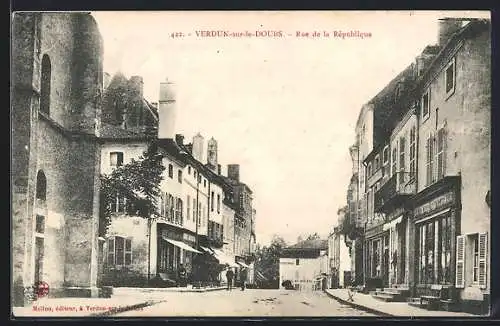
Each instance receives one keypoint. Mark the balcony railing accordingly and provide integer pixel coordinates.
(400, 184)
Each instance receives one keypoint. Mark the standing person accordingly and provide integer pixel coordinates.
(243, 278)
(229, 276)
(182, 275)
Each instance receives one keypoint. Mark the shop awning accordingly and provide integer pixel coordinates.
(393, 223)
(181, 245)
(206, 249)
(243, 264)
(223, 258)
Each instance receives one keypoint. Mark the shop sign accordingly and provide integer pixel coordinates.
(376, 230)
(171, 235)
(435, 204)
(189, 237)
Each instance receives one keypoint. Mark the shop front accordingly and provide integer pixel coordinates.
(437, 222)
(175, 248)
(377, 257)
(398, 229)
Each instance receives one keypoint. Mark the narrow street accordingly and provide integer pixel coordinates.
(246, 303)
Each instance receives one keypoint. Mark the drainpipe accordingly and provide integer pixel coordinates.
(196, 221)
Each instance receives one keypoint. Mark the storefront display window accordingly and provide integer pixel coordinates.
(434, 245)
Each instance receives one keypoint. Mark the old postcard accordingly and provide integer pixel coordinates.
(251, 164)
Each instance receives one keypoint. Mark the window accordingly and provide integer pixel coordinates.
(195, 217)
(450, 78)
(297, 262)
(194, 174)
(385, 159)
(377, 163)
(162, 204)
(402, 146)
(437, 117)
(204, 183)
(441, 154)
(434, 248)
(188, 207)
(369, 170)
(212, 199)
(116, 158)
(429, 164)
(119, 251)
(41, 186)
(170, 171)
(475, 258)
(179, 176)
(178, 211)
(412, 152)
(394, 160)
(189, 170)
(425, 105)
(119, 204)
(40, 224)
(199, 214)
(45, 85)
(218, 203)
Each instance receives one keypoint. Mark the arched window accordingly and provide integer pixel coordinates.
(45, 85)
(41, 186)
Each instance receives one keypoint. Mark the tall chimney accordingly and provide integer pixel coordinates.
(233, 172)
(198, 152)
(447, 27)
(167, 110)
(179, 139)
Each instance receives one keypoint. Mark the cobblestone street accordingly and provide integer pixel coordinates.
(246, 303)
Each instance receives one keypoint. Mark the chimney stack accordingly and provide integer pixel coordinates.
(166, 110)
(198, 152)
(447, 27)
(219, 169)
(233, 172)
(179, 139)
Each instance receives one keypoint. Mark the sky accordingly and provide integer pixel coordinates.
(284, 108)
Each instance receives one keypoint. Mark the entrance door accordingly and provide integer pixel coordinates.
(385, 263)
(39, 253)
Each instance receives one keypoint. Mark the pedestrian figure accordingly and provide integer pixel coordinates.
(243, 278)
(182, 276)
(229, 277)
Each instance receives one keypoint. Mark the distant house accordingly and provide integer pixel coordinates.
(304, 264)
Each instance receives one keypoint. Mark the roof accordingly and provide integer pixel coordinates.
(110, 131)
(310, 244)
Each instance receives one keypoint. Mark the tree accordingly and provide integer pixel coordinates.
(314, 236)
(139, 183)
(268, 258)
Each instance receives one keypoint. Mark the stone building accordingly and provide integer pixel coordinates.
(304, 263)
(428, 175)
(451, 213)
(56, 93)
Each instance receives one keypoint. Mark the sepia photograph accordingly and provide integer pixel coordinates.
(250, 164)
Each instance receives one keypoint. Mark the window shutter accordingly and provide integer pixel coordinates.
(483, 255)
(428, 161)
(128, 252)
(445, 137)
(460, 263)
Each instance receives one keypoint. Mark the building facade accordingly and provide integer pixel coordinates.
(304, 264)
(56, 95)
(427, 177)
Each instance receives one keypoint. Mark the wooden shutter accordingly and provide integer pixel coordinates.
(428, 161)
(460, 263)
(483, 256)
(128, 252)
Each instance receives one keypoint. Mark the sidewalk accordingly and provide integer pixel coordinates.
(123, 299)
(390, 309)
